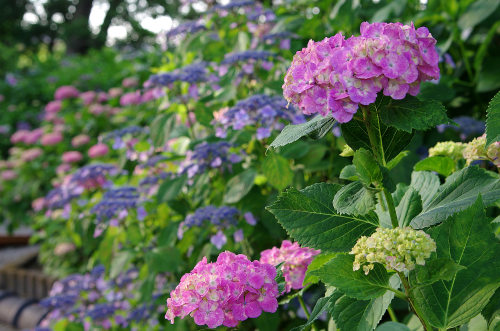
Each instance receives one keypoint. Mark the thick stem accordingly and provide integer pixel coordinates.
(392, 314)
(303, 305)
(391, 207)
(406, 285)
(375, 142)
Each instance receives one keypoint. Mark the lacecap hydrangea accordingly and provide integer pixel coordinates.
(336, 75)
(224, 292)
(296, 260)
(397, 249)
(476, 150)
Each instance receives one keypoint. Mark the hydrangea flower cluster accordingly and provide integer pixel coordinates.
(98, 302)
(467, 126)
(450, 149)
(221, 218)
(397, 249)
(208, 156)
(296, 260)
(116, 201)
(250, 57)
(336, 75)
(224, 292)
(476, 150)
(194, 73)
(267, 113)
(234, 4)
(119, 136)
(186, 28)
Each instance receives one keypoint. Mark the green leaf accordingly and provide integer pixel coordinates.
(319, 124)
(120, 263)
(355, 284)
(323, 304)
(395, 161)
(477, 12)
(435, 270)
(467, 239)
(349, 172)
(295, 150)
(318, 262)
(426, 184)
(492, 309)
(367, 167)
(277, 170)
(393, 140)
(409, 207)
(308, 217)
(493, 120)
(238, 186)
(164, 259)
(170, 189)
(459, 192)
(161, 129)
(354, 199)
(411, 113)
(392, 326)
(362, 315)
(441, 164)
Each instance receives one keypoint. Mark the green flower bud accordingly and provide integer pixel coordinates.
(450, 149)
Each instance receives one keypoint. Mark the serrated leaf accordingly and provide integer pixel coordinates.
(467, 239)
(349, 172)
(308, 217)
(277, 170)
(435, 270)
(293, 133)
(238, 186)
(392, 326)
(161, 129)
(354, 199)
(477, 12)
(459, 192)
(395, 161)
(412, 113)
(441, 164)
(366, 166)
(355, 284)
(318, 261)
(362, 315)
(426, 184)
(170, 189)
(393, 140)
(323, 304)
(493, 120)
(409, 207)
(492, 309)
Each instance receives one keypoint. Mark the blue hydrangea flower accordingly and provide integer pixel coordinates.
(194, 73)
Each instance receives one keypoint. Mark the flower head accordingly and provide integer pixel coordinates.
(336, 75)
(450, 149)
(397, 249)
(66, 92)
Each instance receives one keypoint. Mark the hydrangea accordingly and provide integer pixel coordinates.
(476, 150)
(224, 292)
(467, 126)
(249, 57)
(296, 260)
(192, 74)
(336, 75)
(235, 4)
(397, 249)
(207, 156)
(66, 92)
(221, 218)
(267, 113)
(118, 136)
(186, 28)
(450, 149)
(115, 201)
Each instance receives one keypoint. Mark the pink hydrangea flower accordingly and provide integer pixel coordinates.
(80, 140)
(66, 92)
(115, 92)
(88, 97)
(130, 82)
(71, 157)
(131, 98)
(51, 138)
(335, 75)
(296, 259)
(53, 106)
(33, 136)
(98, 150)
(38, 204)
(224, 292)
(8, 174)
(19, 136)
(31, 154)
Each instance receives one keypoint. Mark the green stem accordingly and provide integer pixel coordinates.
(303, 305)
(391, 207)
(392, 314)
(406, 285)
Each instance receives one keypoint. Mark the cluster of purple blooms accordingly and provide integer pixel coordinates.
(207, 156)
(118, 136)
(221, 218)
(225, 292)
(116, 202)
(234, 4)
(467, 126)
(186, 28)
(194, 73)
(266, 113)
(336, 75)
(251, 55)
(97, 302)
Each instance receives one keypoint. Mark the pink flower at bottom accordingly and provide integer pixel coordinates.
(296, 259)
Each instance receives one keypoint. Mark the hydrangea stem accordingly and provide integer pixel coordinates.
(304, 307)
(391, 207)
(392, 314)
(406, 285)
